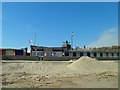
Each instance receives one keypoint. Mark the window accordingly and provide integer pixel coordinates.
(106, 54)
(101, 54)
(81, 54)
(112, 54)
(118, 54)
(95, 54)
(66, 53)
(88, 54)
(74, 54)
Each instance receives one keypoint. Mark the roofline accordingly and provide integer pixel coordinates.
(45, 47)
(11, 48)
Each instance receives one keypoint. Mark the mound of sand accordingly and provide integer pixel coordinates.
(86, 64)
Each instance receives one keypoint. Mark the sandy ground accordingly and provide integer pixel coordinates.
(83, 73)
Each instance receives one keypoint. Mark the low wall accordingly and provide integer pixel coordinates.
(59, 58)
(108, 58)
(19, 58)
(69, 58)
(50, 58)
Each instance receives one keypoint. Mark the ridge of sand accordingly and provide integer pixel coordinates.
(86, 64)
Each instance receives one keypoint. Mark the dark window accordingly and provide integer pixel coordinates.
(81, 54)
(95, 54)
(107, 54)
(112, 54)
(101, 54)
(88, 54)
(74, 54)
(39, 50)
(28, 54)
(66, 53)
(18, 52)
(118, 54)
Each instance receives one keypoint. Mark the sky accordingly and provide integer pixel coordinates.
(0, 24)
(94, 24)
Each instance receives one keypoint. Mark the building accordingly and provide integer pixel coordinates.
(65, 52)
(99, 53)
(41, 51)
(13, 52)
(47, 51)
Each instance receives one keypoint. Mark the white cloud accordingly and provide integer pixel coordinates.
(108, 38)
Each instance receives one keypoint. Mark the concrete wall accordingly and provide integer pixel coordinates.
(108, 58)
(104, 54)
(92, 54)
(59, 58)
(69, 58)
(59, 54)
(10, 52)
(78, 54)
(70, 54)
(49, 58)
(37, 53)
(19, 58)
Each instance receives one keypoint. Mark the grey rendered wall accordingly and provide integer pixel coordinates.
(19, 58)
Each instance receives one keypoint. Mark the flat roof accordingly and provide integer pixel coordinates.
(11, 49)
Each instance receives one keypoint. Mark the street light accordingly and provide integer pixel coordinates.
(35, 40)
(72, 34)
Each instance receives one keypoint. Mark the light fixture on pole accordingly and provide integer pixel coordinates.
(72, 34)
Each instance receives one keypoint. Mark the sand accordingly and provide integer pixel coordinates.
(84, 73)
(89, 65)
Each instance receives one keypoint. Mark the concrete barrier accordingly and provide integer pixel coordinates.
(5, 57)
(49, 58)
(108, 58)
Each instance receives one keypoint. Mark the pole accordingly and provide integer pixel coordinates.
(35, 40)
(72, 39)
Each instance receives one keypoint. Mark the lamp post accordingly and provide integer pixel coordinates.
(35, 40)
(72, 34)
